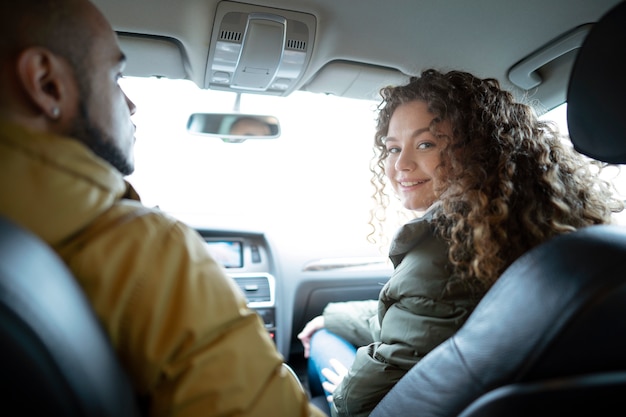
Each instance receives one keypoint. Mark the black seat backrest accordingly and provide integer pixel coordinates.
(555, 315)
(595, 110)
(55, 358)
(549, 338)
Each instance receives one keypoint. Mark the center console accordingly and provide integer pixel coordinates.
(246, 258)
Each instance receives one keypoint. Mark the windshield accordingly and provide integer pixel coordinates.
(313, 180)
(311, 185)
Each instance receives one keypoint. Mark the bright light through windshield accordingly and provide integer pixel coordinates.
(316, 175)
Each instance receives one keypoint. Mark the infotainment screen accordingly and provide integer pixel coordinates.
(229, 253)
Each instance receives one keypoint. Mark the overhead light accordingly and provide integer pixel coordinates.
(258, 49)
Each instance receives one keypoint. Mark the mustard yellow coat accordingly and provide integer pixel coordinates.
(180, 326)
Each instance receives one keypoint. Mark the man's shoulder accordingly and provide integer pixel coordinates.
(130, 215)
(133, 224)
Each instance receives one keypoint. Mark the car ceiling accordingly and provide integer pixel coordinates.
(361, 45)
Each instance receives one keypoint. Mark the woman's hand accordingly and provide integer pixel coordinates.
(334, 376)
(306, 333)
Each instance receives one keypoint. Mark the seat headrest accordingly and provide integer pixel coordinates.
(597, 91)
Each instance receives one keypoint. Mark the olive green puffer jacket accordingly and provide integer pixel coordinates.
(418, 308)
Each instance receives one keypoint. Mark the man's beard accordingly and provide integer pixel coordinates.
(98, 141)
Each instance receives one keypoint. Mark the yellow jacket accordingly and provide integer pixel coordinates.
(180, 326)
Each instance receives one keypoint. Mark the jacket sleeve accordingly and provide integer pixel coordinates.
(419, 309)
(353, 321)
(182, 328)
(379, 365)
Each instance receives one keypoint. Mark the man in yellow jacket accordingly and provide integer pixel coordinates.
(179, 325)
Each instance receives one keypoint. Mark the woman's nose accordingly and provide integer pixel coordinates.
(405, 161)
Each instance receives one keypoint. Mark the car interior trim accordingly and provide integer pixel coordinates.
(525, 73)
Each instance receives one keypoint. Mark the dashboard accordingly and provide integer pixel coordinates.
(288, 293)
(247, 258)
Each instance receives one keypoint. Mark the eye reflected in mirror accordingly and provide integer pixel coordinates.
(234, 127)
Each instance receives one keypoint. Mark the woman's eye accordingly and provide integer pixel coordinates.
(393, 150)
(425, 145)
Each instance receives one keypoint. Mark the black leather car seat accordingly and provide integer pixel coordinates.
(597, 86)
(55, 358)
(552, 326)
(549, 338)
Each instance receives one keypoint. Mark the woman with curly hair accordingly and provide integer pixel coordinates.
(490, 182)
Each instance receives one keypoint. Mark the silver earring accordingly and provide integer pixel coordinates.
(56, 112)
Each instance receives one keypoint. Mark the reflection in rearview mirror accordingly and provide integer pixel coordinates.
(234, 127)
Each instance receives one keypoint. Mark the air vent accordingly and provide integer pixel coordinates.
(296, 45)
(229, 35)
(256, 289)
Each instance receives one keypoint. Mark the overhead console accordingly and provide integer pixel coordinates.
(247, 259)
(258, 49)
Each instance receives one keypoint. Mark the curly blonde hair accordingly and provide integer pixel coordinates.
(507, 180)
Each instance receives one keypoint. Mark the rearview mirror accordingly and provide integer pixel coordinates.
(234, 127)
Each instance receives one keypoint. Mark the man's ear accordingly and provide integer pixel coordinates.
(43, 77)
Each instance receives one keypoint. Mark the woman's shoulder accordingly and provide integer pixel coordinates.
(414, 233)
